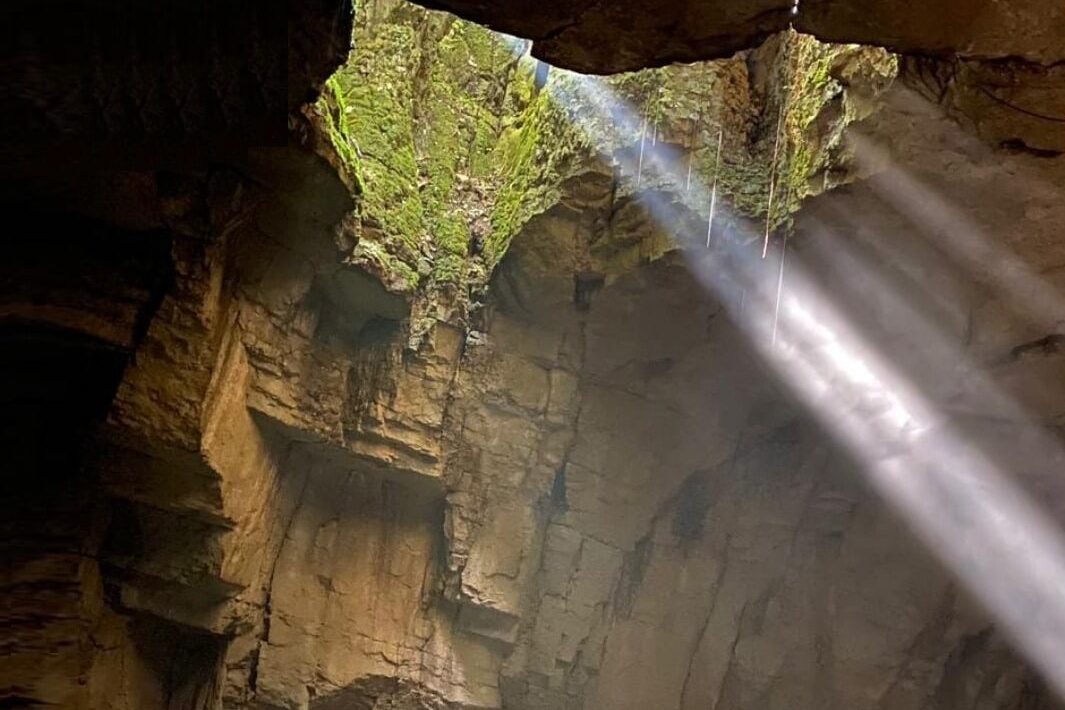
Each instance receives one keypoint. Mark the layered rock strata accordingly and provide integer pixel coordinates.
(578, 486)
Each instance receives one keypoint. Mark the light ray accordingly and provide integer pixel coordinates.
(1029, 293)
(713, 190)
(1006, 551)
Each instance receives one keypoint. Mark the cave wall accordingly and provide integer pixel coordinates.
(577, 487)
(137, 484)
(646, 33)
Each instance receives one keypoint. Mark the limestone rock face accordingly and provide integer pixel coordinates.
(1018, 106)
(238, 482)
(981, 29)
(604, 37)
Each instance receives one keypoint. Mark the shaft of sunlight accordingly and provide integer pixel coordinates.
(980, 524)
(1002, 547)
(1030, 295)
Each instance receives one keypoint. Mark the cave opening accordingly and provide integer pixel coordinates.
(485, 385)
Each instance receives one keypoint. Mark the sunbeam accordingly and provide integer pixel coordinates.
(957, 496)
(1029, 294)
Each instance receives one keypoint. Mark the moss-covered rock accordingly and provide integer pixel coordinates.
(789, 99)
(453, 145)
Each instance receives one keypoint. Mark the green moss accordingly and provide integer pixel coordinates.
(449, 145)
(525, 190)
(409, 114)
(553, 138)
(415, 117)
(812, 144)
(367, 107)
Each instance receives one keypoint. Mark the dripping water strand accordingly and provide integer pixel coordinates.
(643, 143)
(713, 189)
(688, 185)
(651, 104)
(772, 180)
(780, 286)
(780, 274)
(658, 115)
(787, 198)
(693, 137)
(691, 157)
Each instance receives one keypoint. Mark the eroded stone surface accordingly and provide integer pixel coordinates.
(604, 37)
(592, 495)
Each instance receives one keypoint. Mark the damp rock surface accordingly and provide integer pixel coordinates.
(604, 37)
(436, 407)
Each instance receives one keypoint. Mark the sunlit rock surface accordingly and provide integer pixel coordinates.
(384, 420)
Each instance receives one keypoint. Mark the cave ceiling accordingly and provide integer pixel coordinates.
(602, 37)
